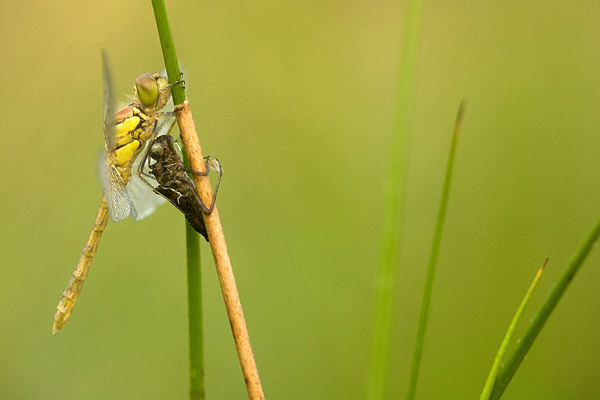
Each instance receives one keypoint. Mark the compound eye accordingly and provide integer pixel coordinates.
(146, 90)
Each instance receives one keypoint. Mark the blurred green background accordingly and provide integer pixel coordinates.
(297, 99)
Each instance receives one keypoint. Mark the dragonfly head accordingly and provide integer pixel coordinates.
(157, 150)
(162, 147)
(152, 91)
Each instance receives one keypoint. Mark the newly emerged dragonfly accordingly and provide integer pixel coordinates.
(173, 182)
(126, 132)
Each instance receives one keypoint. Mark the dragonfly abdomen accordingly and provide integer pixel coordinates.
(73, 289)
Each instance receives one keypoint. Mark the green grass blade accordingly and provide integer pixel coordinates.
(536, 325)
(433, 257)
(394, 196)
(196, 343)
(195, 327)
(489, 384)
(168, 50)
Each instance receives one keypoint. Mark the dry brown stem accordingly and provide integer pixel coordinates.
(220, 254)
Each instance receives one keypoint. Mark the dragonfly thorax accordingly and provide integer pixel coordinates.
(132, 129)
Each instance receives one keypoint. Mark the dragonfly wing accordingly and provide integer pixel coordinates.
(109, 104)
(118, 200)
(164, 124)
(145, 201)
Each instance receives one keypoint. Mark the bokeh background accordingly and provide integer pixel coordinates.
(298, 99)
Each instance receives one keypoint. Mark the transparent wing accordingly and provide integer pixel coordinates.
(215, 165)
(109, 103)
(166, 122)
(119, 203)
(145, 201)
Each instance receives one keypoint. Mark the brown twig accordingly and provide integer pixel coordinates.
(220, 254)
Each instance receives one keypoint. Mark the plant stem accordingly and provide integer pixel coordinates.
(168, 50)
(537, 323)
(195, 323)
(394, 203)
(212, 221)
(193, 259)
(433, 257)
(220, 256)
(489, 384)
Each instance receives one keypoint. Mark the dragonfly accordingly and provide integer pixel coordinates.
(126, 132)
(173, 182)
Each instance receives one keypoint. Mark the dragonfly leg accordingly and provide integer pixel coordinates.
(140, 170)
(181, 80)
(168, 121)
(207, 160)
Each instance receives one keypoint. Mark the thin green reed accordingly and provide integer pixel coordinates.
(394, 200)
(537, 323)
(433, 257)
(489, 384)
(195, 327)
